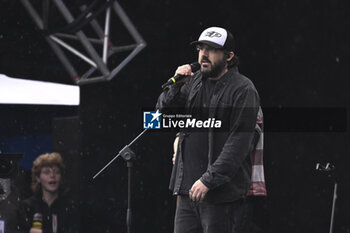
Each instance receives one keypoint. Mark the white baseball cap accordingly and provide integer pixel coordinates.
(216, 37)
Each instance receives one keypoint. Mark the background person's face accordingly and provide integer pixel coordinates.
(50, 179)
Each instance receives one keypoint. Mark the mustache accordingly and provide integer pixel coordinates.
(205, 59)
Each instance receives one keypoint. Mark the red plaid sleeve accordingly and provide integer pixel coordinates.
(258, 187)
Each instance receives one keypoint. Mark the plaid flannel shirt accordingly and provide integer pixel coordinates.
(258, 187)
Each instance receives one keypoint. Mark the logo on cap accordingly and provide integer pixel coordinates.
(213, 34)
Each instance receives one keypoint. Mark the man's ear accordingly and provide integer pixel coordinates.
(37, 179)
(229, 56)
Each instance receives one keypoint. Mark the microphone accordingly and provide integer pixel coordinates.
(37, 221)
(194, 67)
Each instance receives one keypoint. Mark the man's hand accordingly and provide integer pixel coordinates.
(184, 70)
(198, 191)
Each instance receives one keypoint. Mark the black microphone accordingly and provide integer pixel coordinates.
(194, 67)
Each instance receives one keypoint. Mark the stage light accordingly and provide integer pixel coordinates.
(22, 91)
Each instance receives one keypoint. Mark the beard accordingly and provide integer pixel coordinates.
(216, 69)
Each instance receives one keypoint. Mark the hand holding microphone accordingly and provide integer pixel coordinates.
(182, 72)
(37, 223)
(34, 230)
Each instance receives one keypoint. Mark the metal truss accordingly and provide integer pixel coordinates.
(98, 63)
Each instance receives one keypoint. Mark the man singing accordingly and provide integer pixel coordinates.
(212, 171)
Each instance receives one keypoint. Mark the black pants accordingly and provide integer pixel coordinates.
(204, 217)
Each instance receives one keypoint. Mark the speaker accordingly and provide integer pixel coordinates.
(9, 164)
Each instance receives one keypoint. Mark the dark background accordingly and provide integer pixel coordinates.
(295, 52)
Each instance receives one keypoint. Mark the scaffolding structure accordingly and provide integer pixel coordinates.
(99, 68)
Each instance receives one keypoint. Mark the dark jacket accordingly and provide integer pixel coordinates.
(62, 208)
(235, 101)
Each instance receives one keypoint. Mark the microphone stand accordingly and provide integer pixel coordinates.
(129, 156)
(333, 206)
(329, 169)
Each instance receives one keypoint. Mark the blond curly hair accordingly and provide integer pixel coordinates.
(45, 160)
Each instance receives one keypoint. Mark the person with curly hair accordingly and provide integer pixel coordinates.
(49, 210)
